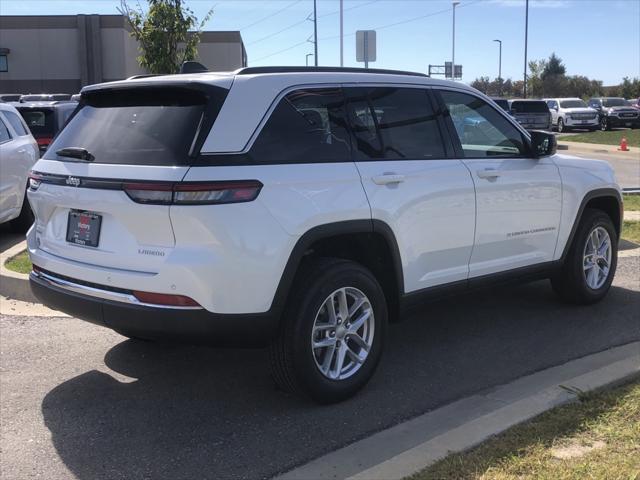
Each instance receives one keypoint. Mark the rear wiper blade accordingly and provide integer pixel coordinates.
(76, 152)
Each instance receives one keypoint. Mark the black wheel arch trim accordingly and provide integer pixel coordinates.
(597, 193)
(326, 231)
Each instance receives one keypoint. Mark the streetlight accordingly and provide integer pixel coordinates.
(306, 60)
(315, 32)
(526, 39)
(499, 60)
(453, 42)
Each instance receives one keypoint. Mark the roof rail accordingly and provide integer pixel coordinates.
(258, 70)
(145, 75)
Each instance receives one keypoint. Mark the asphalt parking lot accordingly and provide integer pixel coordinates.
(79, 401)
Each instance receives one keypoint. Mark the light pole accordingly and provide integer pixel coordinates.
(526, 37)
(342, 33)
(499, 60)
(315, 32)
(453, 41)
(306, 59)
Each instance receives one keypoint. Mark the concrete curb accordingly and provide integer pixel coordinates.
(407, 448)
(12, 284)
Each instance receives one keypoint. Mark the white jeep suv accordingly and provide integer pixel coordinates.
(305, 209)
(568, 113)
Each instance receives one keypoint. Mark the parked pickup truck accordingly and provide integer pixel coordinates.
(615, 112)
(531, 114)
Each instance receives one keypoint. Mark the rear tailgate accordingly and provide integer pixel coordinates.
(89, 192)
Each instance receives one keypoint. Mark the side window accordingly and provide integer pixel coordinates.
(307, 126)
(16, 123)
(4, 133)
(393, 124)
(551, 103)
(482, 131)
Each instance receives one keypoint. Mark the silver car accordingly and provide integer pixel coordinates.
(18, 153)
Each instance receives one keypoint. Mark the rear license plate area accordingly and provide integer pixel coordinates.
(83, 228)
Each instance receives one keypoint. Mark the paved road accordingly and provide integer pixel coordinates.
(79, 401)
(626, 166)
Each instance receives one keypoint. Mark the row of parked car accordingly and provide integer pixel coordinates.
(564, 114)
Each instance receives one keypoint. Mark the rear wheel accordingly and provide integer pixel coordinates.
(588, 270)
(332, 335)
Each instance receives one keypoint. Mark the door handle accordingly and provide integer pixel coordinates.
(489, 173)
(387, 178)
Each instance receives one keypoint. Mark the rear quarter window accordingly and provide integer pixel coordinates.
(17, 123)
(40, 122)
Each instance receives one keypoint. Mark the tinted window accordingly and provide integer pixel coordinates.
(394, 123)
(572, 104)
(483, 132)
(135, 127)
(4, 133)
(306, 126)
(529, 107)
(502, 103)
(40, 122)
(16, 123)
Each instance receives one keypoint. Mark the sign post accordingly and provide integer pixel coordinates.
(366, 46)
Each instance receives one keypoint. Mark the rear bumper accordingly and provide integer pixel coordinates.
(182, 325)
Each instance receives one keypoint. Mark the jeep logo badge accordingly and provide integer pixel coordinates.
(73, 181)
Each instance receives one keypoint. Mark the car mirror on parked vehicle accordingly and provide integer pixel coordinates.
(543, 144)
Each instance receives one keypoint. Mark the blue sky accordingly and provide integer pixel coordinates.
(596, 38)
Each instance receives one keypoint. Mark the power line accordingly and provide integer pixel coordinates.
(281, 51)
(408, 20)
(348, 8)
(271, 15)
(279, 31)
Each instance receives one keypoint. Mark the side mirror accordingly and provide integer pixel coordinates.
(543, 144)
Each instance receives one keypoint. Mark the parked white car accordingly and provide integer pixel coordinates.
(18, 153)
(305, 209)
(568, 113)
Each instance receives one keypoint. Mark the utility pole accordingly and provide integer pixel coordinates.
(499, 59)
(306, 59)
(526, 38)
(315, 31)
(453, 41)
(342, 33)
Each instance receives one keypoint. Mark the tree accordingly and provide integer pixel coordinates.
(534, 80)
(553, 67)
(168, 34)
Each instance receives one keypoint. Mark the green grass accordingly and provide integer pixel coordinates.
(631, 232)
(20, 263)
(605, 138)
(631, 202)
(597, 437)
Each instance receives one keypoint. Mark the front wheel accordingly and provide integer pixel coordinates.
(604, 124)
(561, 127)
(591, 262)
(333, 331)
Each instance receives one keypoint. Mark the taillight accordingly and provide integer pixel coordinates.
(211, 193)
(165, 299)
(34, 181)
(43, 142)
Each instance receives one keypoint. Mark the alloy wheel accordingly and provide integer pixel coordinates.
(597, 258)
(342, 334)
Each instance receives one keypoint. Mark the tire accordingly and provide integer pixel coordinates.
(604, 124)
(561, 127)
(572, 282)
(23, 222)
(296, 365)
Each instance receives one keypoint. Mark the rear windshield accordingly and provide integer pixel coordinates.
(529, 107)
(40, 121)
(141, 126)
(572, 104)
(502, 103)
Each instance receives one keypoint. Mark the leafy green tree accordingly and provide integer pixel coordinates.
(553, 67)
(168, 34)
(534, 79)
